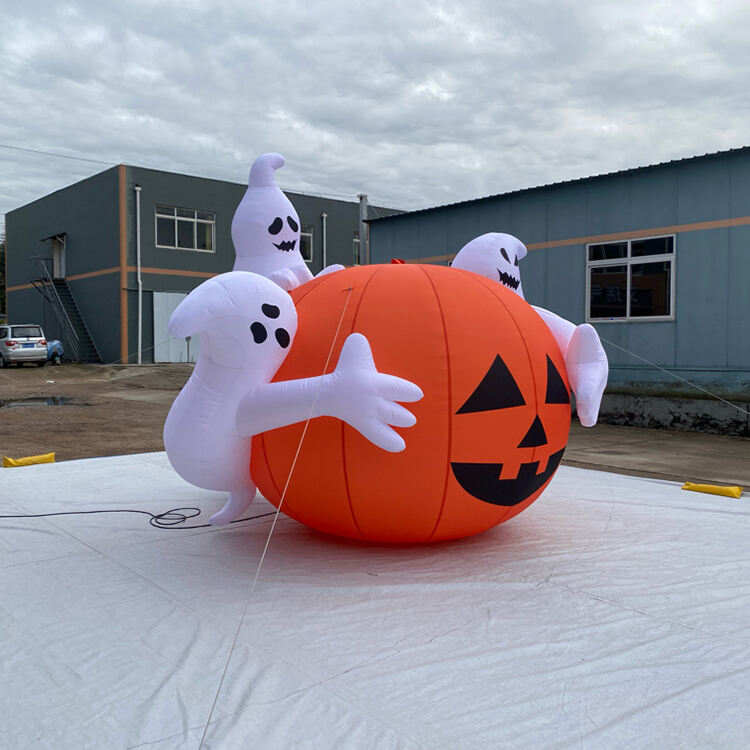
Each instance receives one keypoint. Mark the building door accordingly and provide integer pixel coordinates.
(58, 257)
(166, 348)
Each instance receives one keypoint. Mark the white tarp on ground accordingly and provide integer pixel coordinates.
(614, 613)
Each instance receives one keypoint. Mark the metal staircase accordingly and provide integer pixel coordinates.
(76, 337)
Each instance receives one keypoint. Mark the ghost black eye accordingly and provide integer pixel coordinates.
(260, 334)
(504, 254)
(515, 261)
(282, 336)
(292, 223)
(276, 226)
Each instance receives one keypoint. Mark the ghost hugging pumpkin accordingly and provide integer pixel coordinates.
(491, 428)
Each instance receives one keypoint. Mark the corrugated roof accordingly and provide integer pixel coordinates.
(563, 182)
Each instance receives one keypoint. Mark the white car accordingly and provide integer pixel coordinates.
(22, 343)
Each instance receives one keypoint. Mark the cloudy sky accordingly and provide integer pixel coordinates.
(415, 103)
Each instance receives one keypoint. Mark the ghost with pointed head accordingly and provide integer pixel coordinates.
(495, 256)
(266, 228)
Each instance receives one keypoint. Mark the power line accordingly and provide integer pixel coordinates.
(335, 196)
(50, 153)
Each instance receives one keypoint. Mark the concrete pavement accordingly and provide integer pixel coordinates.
(662, 454)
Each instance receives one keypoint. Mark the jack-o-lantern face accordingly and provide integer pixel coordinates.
(499, 390)
(490, 429)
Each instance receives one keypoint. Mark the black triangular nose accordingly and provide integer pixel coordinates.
(535, 436)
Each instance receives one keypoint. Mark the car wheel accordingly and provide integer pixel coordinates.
(2, 363)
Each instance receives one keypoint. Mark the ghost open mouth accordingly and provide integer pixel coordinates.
(288, 245)
(508, 280)
(483, 482)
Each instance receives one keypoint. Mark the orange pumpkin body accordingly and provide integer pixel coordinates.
(490, 429)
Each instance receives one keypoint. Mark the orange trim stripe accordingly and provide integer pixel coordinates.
(91, 274)
(123, 216)
(632, 234)
(128, 269)
(635, 234)
(173, 272)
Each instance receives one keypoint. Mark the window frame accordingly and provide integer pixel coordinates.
(195, 221)
(309, 235)
(628, 261)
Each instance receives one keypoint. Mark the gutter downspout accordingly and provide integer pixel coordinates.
(364, 239)
(137, 189)
(324, 216)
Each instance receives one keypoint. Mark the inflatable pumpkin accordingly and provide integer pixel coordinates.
(491, 428)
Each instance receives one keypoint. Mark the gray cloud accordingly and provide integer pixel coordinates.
(415, 103)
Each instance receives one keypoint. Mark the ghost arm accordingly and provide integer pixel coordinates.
(585, 361)
(561, 329)
(354, 392)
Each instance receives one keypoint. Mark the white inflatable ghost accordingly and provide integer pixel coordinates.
(247, 324)
(266, 229)
(495, 256)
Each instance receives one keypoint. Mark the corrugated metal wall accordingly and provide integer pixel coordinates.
(709, 340)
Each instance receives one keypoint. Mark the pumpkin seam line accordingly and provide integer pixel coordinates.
(450, 405)
(343, 424)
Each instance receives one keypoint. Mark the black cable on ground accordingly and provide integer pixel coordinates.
(170, 519)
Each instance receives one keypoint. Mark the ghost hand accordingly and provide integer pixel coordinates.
(366, 399)
(329, 269)
(291, 278)
(588, 369)
(354, 392)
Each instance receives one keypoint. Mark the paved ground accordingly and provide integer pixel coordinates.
(113, 410)
(663, 454)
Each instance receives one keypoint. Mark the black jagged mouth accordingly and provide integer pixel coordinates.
(482, 480)
(286, 245)
(508, 280)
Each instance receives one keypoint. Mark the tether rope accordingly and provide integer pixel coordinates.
(273, 523)
(675, 375)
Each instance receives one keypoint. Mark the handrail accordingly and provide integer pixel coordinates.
(60, 308)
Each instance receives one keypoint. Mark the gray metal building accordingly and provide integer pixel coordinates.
(76, 249)
(656, 258)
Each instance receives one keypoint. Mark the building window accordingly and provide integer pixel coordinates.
(306, 242)
(185, 228)
(631, 279)
(355, 249)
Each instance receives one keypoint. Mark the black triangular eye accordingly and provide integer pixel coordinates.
(536, 435)
(292, 223)
(276, 226)
(504, 253)
(557, 393)
(498, 390)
